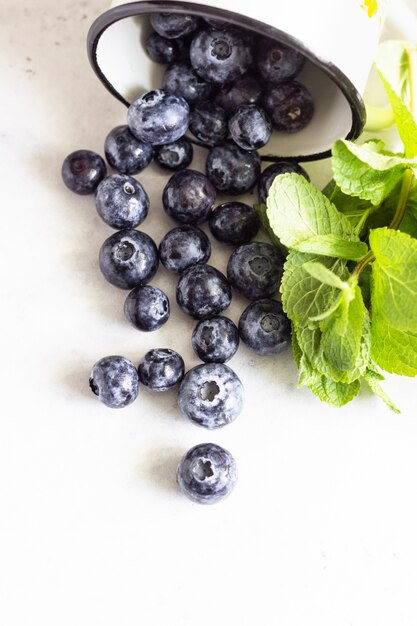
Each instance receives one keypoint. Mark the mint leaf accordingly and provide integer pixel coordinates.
(394, 67)
(328, 390)
(363, 171)
(353, 208)
(393, 350)
(325, 275)
(394, 278)
(303, 296)
(333, 246)
(299, 212)
(373, 378)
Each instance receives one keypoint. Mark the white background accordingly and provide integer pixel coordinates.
(321, 528)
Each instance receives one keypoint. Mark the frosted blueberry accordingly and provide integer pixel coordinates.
(114, 380)
(125, 153)
(147, 308)
(203, 291)
(269, 174)
(232, 170)
(264, 327)
(163, 50)
(173, 25)
(208, 123)
(183, 247)
(234, 223)
(220, 56)
(174, 156)
(250, 127)
(211, 395)
(290, 106)
(188, 197)
(255, 270)
(161, 369)
(244, 90)
(215, 340)
(207, 473)
(157, 117)
(181, 80)
(128, 258)
(82, 171)
(277, 62)
(121, 201)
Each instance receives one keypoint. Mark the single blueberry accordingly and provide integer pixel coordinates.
(207, 473)
(174, 156)
(290, 106)
(173, 25)
(234, 223)
(244, 90)
(215, 340)
(121, 201)
(181, 80)
(125, 153)
(211, 395)
(114, 380)
(157, 117)
(232, 170)
(183, 247)
(163, 50)
(188, 197)
(250, 127)
(147, 308)
(82, 171)
(264, 327)
(216, 23)
(208, 123)
(203, 291)
(220, 56)
(277, 62)
(269, 174)
(161, 369)
(255, 270)
(128, 258)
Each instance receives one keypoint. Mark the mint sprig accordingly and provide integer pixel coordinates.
(347, 322)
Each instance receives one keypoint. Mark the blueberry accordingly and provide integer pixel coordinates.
(234, 223)
(208, 123)
(216, 23)
(215, 340)
(181, 80)
(173, 25)
(277, 62)
(161, 369)
(188, 197)
(82, 171)
(290, 106)
(121, 201)
(128, 258)
(207, 473)
(220, 56)
(211, 395)
(183, 247)
(255, 270)
(269, 174)
(244, 90)
(232, 170)
(157, 117)
(147, 308)
(163, 50)
(174, 156)
(125, 153)
(203, 291)
(250, 127)
(264, 327)
(114, 380)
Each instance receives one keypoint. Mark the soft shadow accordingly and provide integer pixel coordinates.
(160, 467)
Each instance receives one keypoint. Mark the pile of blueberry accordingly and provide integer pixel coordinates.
(211, 89)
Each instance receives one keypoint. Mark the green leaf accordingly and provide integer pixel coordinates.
(333, 246)
(303, 296)
(297, 212)
(394, 278)
(353, 208)
(364, 171)
(373, 378)
(324, 275)
(393, 350)
(394, 66)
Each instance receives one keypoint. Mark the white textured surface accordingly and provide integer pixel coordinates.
(321, 528)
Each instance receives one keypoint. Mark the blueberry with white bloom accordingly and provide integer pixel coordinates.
(121, 201)
(250, 127)
(114, 380)
(290, 105)
(232, 170)
(188, 197)
(208, 123)
(128, 258)
(163, 50)
(157, 117)
(181, 80)
(147, 308)
(183, 247)
(82, 171)
(203, 291)
(244, 90)
(255, 270)
(234, 223)
(264, 327)
(174, 156)
(211, 395)
(269, 174)
(161, 369)
(125, 153)
(277, 62)
(173, 25)
(221, 56)
(207, 473)
(215, 340)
